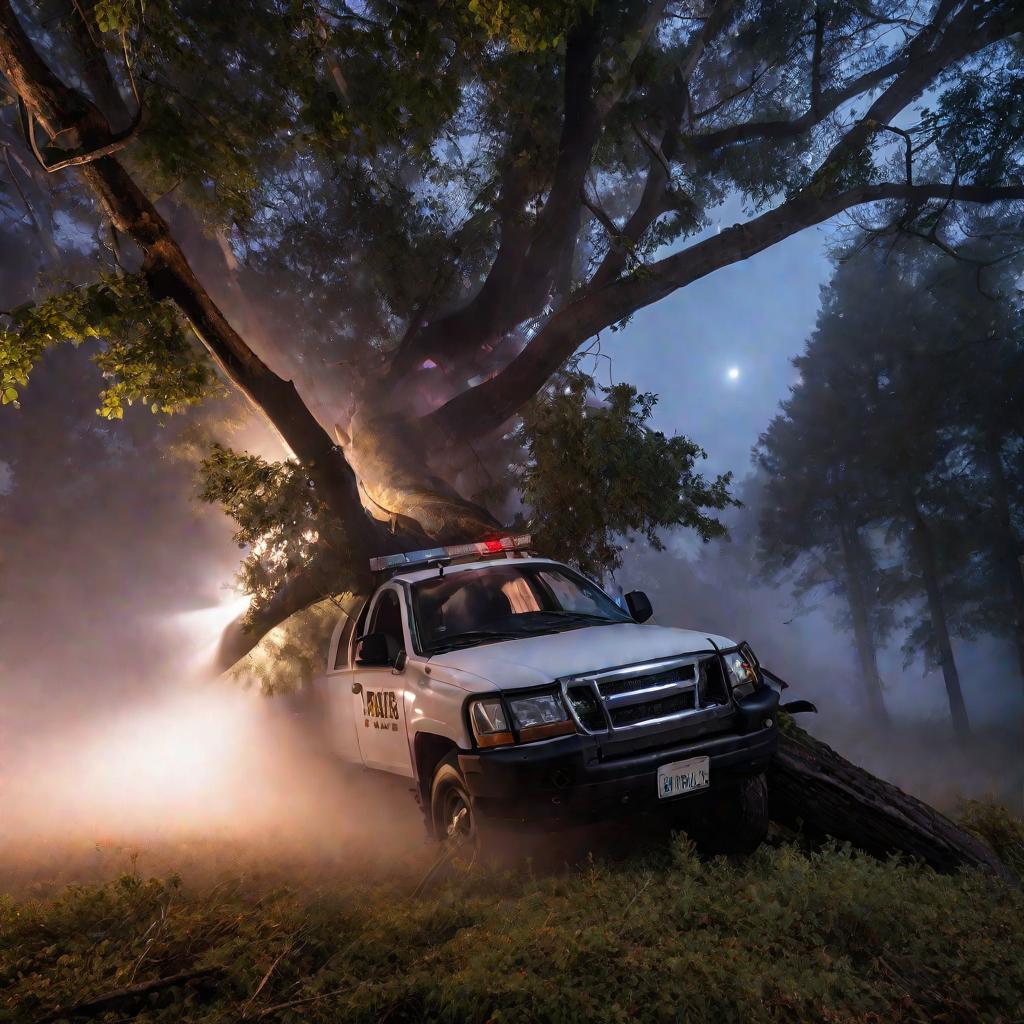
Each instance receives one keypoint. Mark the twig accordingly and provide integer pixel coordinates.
(116, 142)
(636, 896)
(445, 856)
(301, 1002)
(909, 143)
(654, 149)
(266, 977)
(17, 185)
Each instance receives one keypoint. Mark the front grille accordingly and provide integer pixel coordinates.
(616, 687)
(655, 694)
(653, 710)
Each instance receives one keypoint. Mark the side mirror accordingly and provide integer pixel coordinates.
(639, 605)
(372, 651)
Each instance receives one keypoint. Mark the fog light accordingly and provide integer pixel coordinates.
(768, 723)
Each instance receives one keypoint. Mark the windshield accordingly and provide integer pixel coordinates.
(506, 602)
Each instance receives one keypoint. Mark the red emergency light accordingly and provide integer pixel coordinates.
(502, 545)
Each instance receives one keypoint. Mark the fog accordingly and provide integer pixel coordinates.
(114, 584)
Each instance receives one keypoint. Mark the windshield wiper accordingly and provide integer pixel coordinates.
(563, 614)
(472, 636)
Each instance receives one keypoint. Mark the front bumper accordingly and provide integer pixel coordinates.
(568, 779)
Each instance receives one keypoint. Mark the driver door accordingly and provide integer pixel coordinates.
(379, 693)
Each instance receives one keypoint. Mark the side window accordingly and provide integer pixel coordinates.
(387, 619)
(360, 630)
(341, 655)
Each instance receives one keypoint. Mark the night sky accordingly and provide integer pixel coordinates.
(755, 316)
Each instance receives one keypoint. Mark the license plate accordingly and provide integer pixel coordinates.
(681, 777)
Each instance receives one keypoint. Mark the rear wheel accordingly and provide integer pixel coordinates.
(735, 819)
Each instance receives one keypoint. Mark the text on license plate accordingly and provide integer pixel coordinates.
(683, 777)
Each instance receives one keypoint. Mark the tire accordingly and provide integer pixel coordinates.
(453, 817)
(736, 822)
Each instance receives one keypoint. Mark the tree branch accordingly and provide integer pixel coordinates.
(478, 319)
(241, 636)
(494, 401)
(553, 237)
(652, 200)
(62, 110)
(491, 403)
(104, 1003)
(819, 43)
(917, 51)
(828, 103)
(908, 142)
(529, 263)
(600, 216)
(97, 74)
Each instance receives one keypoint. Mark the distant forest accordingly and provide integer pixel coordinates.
(893, 472)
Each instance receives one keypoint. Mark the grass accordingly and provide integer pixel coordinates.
(790, 934)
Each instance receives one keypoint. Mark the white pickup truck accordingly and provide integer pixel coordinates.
(510, 688)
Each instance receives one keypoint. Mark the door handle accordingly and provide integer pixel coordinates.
(357, 687)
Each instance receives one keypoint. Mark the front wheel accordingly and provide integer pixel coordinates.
(452, 814)
(736, 820)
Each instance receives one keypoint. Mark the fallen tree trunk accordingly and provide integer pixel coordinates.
(814, 790)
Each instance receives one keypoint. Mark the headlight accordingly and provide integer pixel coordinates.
(741, 667)
(490, 726)
(534, 717)
(540, 716)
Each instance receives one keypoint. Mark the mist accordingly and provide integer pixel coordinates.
(115, 736)
(115, 583)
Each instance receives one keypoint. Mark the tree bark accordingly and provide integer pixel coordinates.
(854, 559)
(813, 789)
(1007, 545)
(923, 550)
(391, 454)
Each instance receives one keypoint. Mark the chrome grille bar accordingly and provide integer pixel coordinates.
(654, 685)
(640, 696)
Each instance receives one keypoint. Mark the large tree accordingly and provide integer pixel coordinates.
(424, 210)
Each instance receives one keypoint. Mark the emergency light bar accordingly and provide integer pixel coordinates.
(486, 547)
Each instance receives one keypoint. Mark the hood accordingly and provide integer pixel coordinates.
(536, 660)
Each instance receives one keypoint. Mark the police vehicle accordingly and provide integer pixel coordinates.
(510, 688)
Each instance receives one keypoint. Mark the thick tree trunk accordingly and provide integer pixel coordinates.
(924, 555)
(1007, 545)
(854, 559)
(391, 455)
(814, 790)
